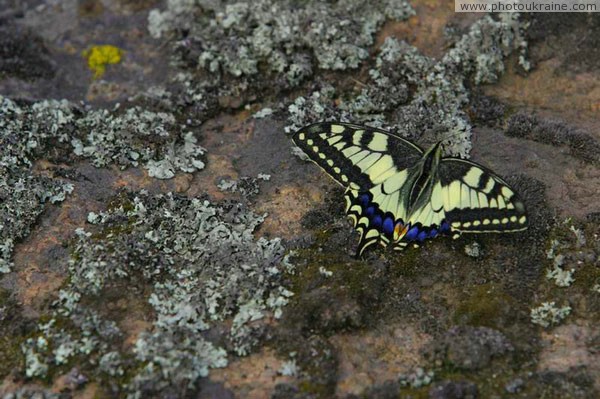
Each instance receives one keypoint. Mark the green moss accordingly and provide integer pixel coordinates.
(408, 264)
(113, 231)
(10, 352)
(346, 271)
(121, 200)
(492, 381)
(10, 344)
(413, 393)
(588, 276)
(318, 390)
(4, 297)
(488, 306)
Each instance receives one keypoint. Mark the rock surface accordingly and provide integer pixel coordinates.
(159, 237)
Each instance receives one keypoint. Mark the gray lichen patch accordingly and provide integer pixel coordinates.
(567, 292)
(22, 200)
(548, 314)
(32, 392)
(228, 52)
(247, 186)
(287, 37)
(413, 94)
(59, 131)
(197, 263)
(133, 137)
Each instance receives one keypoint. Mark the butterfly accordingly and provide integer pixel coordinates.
(397, 194)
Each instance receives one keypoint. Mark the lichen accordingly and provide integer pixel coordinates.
(98, 57)
(416, 378)
(204, 266)
(22, 200)
(561, 277)
(132, 137)
(324, 272)
(579, 235)
(473, 250)
(548, 314)
(580, 143)
(411, 93)
(138, 137)
(246, 186)
(263, 113)
(28, 131)
(32, 392)
(571, 253)
(289, 368)
(227, 52)
(237, 38)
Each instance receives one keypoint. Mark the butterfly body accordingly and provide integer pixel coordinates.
(398, 194)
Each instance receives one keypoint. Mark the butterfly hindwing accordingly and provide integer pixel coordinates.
(477, 200)
(430, 213)
(355, 208)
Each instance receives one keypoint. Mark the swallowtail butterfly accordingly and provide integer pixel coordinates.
(397, 194)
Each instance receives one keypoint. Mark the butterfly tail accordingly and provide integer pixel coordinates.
(368, 236)
(364, 241)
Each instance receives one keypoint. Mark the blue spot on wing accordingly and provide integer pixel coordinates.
(422, 236)
(388, 225)
(370, 211)
(364, 200)
(445, 227)
(433, 233)
(376, 222)
(412, 233)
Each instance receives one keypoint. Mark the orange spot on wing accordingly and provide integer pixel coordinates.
(400, 230)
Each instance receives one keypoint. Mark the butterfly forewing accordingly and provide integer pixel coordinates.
(356, 156)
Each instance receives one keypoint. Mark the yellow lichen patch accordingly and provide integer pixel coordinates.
(98, 57)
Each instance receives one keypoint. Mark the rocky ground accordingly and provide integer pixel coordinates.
(161, 237)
